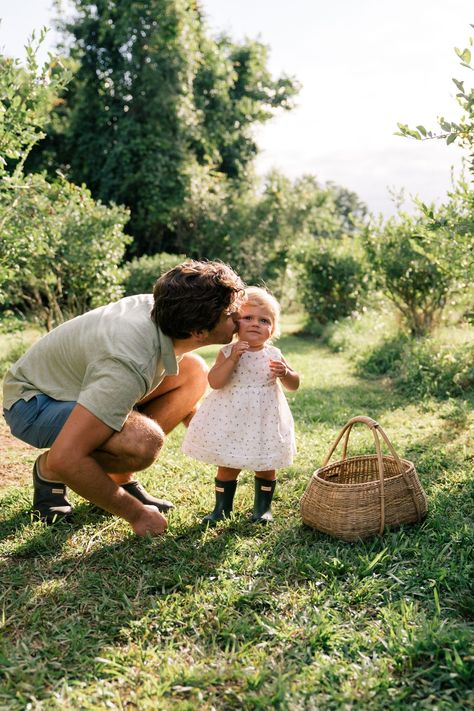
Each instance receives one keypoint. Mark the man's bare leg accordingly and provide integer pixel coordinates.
(172, 402)
(176, 397)
(72, 461)
(137, 445)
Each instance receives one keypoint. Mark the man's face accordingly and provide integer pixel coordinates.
(225, 328)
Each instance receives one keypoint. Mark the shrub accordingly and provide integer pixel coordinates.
(419, 260)
(15, 352)
(60, 248)
(333, 283)
(141, 273)
(385, 358)
(423, 367)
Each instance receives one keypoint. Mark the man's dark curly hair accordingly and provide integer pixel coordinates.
(193, 296)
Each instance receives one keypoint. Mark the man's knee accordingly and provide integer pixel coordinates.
(193, 364)
(194, 371)
(142, 439)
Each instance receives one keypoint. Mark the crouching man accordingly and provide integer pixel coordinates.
(100, 391)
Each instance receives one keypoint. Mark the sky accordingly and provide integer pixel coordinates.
(364, 65)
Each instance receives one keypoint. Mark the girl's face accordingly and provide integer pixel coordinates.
(255, 325)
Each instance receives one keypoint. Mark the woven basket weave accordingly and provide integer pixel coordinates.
(357, 497)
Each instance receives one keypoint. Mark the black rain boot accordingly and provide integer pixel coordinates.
(135, 489)
(225, 491)
(50, 503)
(263, 500)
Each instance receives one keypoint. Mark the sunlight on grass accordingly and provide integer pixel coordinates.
(249, 617)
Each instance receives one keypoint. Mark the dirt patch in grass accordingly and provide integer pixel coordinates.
(15, 459)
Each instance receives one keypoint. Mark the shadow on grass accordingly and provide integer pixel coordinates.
(110, 593)
(113, 593)
(111, 587)
(335, 404)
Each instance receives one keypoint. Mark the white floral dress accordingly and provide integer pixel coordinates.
(247, 424)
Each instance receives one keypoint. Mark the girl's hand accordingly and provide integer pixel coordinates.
(278, 368)
(237, 351)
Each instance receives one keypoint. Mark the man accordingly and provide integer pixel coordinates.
(101, 391)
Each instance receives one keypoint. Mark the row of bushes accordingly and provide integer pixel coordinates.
(440, 365)
(422, 367)
(62, 252)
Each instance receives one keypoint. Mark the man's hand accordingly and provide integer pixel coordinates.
(150, 521)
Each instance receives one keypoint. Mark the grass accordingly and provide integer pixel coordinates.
(245, 617)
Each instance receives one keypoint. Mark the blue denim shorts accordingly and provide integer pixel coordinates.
(38, 421)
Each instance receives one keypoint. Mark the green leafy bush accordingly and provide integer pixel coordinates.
(422, 367)
(402, 253)
(15, 352)
(385, 358)
(141, 273)
(333, 283)
(60, 249)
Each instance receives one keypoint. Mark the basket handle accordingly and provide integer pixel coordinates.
(375, 428)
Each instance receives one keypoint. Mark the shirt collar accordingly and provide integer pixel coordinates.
(168, 356)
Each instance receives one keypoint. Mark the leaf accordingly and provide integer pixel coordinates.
(422, 130)
(380, 556)
(451, 138)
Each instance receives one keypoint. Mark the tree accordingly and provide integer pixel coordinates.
(409, 269)
(155, 104)
(420, 260)
(263, 229)
(26, 97)
(451, 227)
(59, 249)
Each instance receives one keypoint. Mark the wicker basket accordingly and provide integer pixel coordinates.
(357, 497)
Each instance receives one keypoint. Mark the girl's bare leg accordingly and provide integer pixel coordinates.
(269, 474)
(227, 474)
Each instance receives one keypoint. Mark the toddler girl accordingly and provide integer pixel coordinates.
(245, 422)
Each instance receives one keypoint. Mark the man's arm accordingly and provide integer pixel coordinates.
(71, 460)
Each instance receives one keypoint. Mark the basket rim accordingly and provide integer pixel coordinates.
(328, 467)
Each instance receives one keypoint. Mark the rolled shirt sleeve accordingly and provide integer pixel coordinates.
(110, 389)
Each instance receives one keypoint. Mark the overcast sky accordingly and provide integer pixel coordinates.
(364, 65)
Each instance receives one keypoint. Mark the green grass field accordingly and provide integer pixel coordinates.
(246, 617)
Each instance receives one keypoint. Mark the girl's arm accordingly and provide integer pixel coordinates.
(222, 370)
(289, 377)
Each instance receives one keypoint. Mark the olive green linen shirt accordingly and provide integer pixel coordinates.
(106, 360)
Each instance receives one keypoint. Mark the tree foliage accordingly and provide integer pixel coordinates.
(416, 265)
(141, 273)
(333, 282)
(59, 249)
(26, 97)
(420, 260)
(462, 130)
(156, 110)
(263, 229)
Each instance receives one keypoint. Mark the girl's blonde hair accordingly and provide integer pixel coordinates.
(258, 296)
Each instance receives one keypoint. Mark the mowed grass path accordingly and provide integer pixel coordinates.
(246, 617)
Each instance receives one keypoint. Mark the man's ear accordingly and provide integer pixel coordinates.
(200, 336)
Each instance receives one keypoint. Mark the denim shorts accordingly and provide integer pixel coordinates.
(38, 421)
